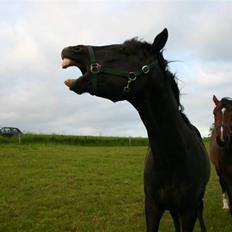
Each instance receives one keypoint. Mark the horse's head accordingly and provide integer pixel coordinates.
(223, 120)
(116, 72)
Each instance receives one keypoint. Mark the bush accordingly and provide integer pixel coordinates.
(76, 140)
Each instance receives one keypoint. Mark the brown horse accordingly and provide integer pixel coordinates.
(221, 147)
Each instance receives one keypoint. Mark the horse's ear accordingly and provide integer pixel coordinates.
(215, 100)
(160, 40)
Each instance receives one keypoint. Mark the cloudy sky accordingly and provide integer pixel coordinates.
(33, 33)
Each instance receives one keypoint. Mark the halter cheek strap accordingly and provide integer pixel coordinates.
(96, 68)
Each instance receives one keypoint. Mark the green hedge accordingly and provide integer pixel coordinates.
(76, 140)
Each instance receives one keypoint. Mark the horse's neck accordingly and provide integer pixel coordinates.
(215, 150)
(163, 121)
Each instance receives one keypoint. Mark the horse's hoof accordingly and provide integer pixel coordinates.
(69, 83)
(226, 207)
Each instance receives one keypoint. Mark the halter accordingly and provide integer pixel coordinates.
(96, 68)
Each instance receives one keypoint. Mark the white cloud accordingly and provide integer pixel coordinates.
(32, 35)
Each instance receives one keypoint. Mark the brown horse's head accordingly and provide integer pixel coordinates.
(223, 120)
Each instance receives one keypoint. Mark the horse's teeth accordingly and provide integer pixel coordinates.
(69, 82)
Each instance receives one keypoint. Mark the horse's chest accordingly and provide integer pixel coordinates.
(170, 192)
(167, 185)
(169, 197)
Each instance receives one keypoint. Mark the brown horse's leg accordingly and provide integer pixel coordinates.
(188, 220)
(176, 220)
(221, 182)
(229, 193)
(153, 215)
(225, 204)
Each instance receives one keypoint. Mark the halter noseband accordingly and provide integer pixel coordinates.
(96, 68)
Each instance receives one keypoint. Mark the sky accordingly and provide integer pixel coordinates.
(33, 96)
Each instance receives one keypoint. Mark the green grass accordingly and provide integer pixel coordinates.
(60, 188)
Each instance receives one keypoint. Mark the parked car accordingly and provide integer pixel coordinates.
(9, 131)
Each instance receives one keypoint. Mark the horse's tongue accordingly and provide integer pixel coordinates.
(69, 82)
(66, 63)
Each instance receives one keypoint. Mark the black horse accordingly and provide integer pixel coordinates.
(177, 167)
(221, 147)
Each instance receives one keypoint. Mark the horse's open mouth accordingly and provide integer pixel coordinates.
(67, 62)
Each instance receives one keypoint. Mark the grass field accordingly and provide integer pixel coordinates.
(67, 188)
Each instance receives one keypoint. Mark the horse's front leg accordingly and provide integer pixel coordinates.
(200, 217)
(229, 193)
(176, 220)
(188, 219)
(153, 215)
(225, 200)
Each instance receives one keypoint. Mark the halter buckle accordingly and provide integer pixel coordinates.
(95, 68)
(146, 69)
(132, 76)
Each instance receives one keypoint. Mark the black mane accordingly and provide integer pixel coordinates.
(135, 45)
